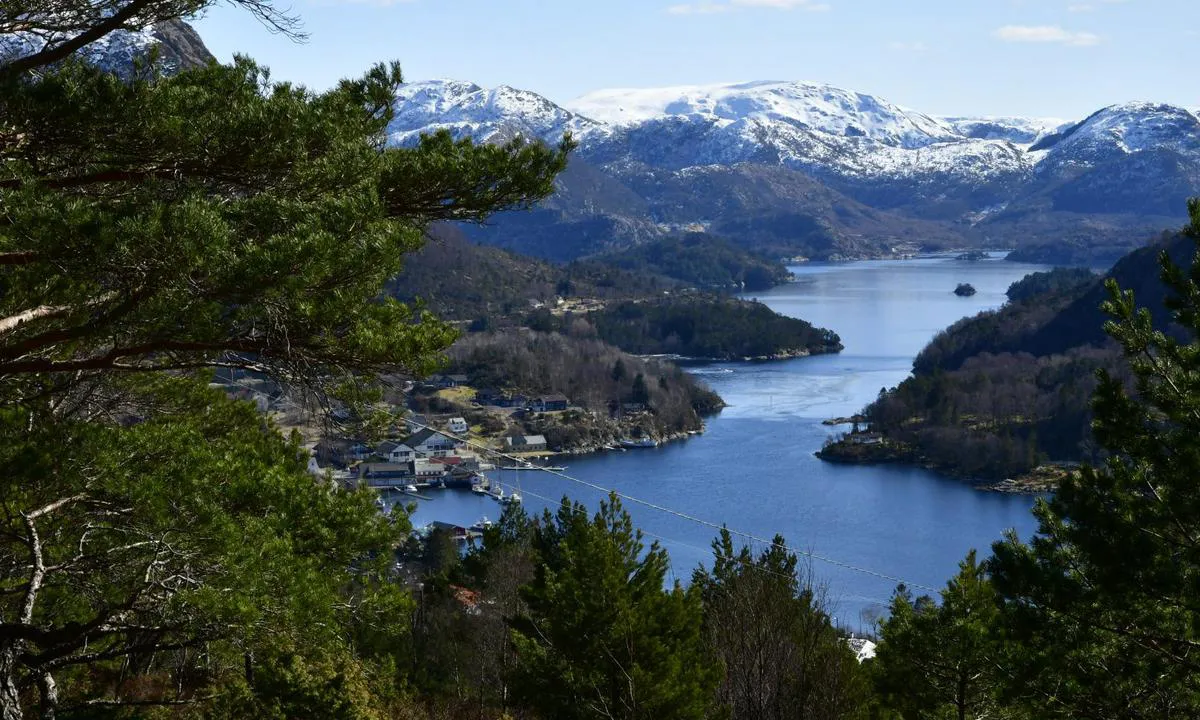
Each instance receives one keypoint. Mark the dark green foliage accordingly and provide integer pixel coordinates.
(196, 528)
(601, 638)
(639, 393)
(765, 622)
(619, 372)
(708, 327)
(463, 281)
(1103, 601)
(162, 544)
(942, 660)
(1052, 282)
(1082, 322)
(704, 261)
(980, 405)
(197, 243)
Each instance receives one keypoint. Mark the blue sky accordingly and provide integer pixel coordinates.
(1054, 58)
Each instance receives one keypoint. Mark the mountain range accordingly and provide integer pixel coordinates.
(800, 169)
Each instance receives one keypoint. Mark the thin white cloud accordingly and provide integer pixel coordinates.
(712, 7)
(1046, 34)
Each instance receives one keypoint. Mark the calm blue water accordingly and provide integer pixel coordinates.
(754, 468)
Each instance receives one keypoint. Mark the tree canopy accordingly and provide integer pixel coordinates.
(1102, 605)
(162, 544)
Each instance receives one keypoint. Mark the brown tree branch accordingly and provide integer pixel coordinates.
(55, 53)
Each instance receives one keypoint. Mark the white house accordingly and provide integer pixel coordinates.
(395, 451)
(458, 426)
(430, 443)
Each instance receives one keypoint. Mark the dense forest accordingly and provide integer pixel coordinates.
(709, 327)
(463, 281)
(704, 261)
(995, 395)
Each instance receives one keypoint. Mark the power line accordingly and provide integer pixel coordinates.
(670, 511)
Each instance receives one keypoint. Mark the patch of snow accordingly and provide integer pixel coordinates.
(812, 106)
(467, 110)
(1017, 130)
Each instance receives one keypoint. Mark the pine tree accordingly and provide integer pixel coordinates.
(639, 393)
(1102, 606)
(163, 544)
(940, 661)
(602, 638)
(765, 621)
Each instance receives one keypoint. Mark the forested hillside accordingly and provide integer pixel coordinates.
(995, 395)
(704, 261)
(644, 303)
(595, 376)
(709, 327)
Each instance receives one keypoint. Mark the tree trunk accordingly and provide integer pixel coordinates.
(10, 695)
(49, 692)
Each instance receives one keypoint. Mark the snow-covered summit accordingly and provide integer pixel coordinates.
(1016, 130)
(468, 110)
(1130, 128)
(811, 106)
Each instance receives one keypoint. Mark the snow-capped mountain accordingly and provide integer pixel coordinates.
(1016, 130)
(467, 110)
(808, 106)
(793, 167)
(816, 164)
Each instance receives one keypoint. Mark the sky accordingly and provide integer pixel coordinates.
(1040, 58)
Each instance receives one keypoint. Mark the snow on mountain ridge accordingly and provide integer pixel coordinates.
(812, 106)
(1134, 127)
(468, 110)
(823, 131)
(1017, 130)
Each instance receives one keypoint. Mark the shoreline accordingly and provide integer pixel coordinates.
(1040, 480)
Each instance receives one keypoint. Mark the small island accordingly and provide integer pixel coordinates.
(965, 290)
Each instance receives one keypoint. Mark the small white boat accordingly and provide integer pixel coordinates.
(410, 488)
(514, 498)
(482, 525)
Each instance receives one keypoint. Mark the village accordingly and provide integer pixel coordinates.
(463, 435)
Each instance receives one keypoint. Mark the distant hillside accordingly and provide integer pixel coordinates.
(792, 168)
(593, 376)
(709, 327)
(636, 310)
(463, 281)
(994, 395)
(704, 261)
